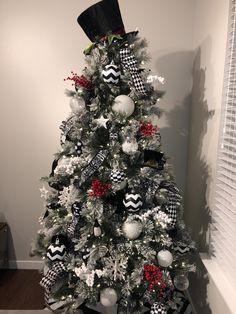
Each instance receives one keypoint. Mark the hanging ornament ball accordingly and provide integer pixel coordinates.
(77, 104)
(111, 74)
(108, 297)
(181, 282)
(158, 308)
(132, 229)
(130, 146)
(133, 202)
(165, 258)
(56, 251)
(124, 105)
(118, 179)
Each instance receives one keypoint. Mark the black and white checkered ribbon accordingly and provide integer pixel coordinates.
(52, 274)
(130, 63)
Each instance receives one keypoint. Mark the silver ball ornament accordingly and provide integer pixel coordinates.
(124, 105)
(132, 229)
(181, 282)
(165, 258)
(108, 297)
(77, 104)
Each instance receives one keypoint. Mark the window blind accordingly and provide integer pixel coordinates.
(223, 227)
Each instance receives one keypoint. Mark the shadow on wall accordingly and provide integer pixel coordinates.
(197, 213)
(176, 68)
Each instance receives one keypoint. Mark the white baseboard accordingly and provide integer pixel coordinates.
(25, 264)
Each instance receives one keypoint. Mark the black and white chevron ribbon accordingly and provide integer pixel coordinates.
(130, 63)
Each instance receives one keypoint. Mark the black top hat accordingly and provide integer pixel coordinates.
(101, 18)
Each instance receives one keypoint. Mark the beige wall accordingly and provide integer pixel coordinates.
(209, 42)
(40, 44)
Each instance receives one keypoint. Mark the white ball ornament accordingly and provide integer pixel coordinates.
(132, 229)
(130, 146)
(165, 258)
(108, 297)
(124, 105)
(77, 104)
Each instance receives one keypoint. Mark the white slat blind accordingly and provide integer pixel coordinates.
(223, 228)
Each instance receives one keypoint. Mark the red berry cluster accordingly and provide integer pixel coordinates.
(99, 189)
(81, 81)
(147, 129)
(153, 275)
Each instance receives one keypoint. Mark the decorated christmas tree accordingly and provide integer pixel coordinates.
(112, 229)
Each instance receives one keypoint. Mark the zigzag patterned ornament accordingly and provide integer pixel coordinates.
(133, 202)
(56, 251)
(111, 74)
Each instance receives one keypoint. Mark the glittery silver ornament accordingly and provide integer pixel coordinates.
(181, 282)
(77, 104)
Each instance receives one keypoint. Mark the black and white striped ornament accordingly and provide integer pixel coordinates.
(158, 308)
(79, 148)
(56, 251)
(133, 202)
(111, 74)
